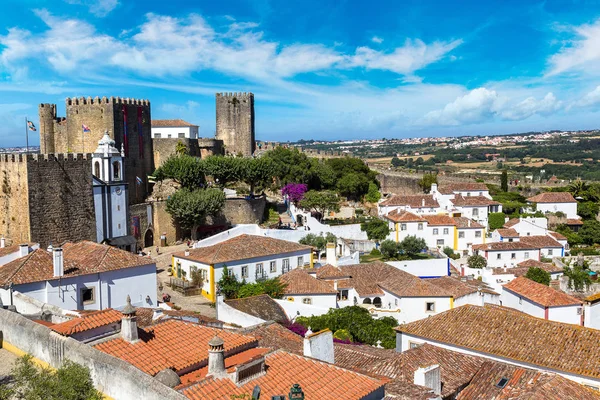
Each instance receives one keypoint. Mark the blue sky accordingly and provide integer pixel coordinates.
(318, 69)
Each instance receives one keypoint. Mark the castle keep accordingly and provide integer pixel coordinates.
(235, 122)
(128, 122)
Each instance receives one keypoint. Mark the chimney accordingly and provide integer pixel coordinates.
(58, 262)
(330, 254)
(23, 250)
(216, 358)
(2, 242)
(319, 345)
(469, 223)
(429, 377)
(186, 253)
(129, 330)
(422, 202)
(433, 188)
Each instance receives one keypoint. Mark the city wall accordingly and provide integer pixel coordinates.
(203, 147)
(235, 122)
(14, 201)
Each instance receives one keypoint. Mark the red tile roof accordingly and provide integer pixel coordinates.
(473, 201)
(451, 188)
(403, 216)
(539, 293)
(512, 222)
(460, 288)
(464, 222)
(413, 201)
(299, 281)
(541, 241)
(507, 232)
(261, 306)
(81, 258)
(553, 197)
(523, 267)
(4, 251)
(173, 344)
(505, 246)
(242, 247)
(574, 221)
(174, 123)
(439, 220)
(557, 235)
(317, 379)
(507, 333)
(328, 271)
(88, 322)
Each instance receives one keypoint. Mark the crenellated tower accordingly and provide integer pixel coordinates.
(47, 114)
(235, 122)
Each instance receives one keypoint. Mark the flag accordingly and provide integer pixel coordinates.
(138, 180)
(31, 126)
(86, 129)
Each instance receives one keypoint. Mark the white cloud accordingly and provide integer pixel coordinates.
(530, 106)
(582, 53)
(376, 39)
(100, 8)
(591, 99)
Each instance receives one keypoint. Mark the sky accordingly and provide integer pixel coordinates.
(319, 69)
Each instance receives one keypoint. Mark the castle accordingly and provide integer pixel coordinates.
(235, 123)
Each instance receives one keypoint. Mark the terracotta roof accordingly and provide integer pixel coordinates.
(539, 293)
(574, 221)
(499, 246)
(464, 222)
(524, 384)
(261, 306)
(541, 241)
(144, 316)
(369, 279)
(535, 263)
(170, 123)
(4, 251)
(242, 247)
(523, 267)
(299, 281)
(507, 333)
(557, 235)
(328, 271)
(507, 232)
(88, 322)
(318, 380)
(439, 220)
(276, 337)
(413, 200)
(173, 344)
(451, 188)
(473, 201)
(81, 258)
(511, 222)
(460, 288)
(403, 216)
(553, 197)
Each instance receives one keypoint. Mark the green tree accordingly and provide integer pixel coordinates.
(538, 275)
(373, 195)
(257, 172)
(342, 334)
(224, 170)
(190, 207)
(353, 186)
(427, 181)
(396, 162)
(181, 149)
(228, 285)
(412, 245)
(70, 382)
(590, 232)
(588, 210)
(579, 188)
(320, 202)
(579, 277)
(477, 261)
(273, 287)
(496, 220)
(504, 181)
(186, 170)
(376, 229)
(318, 241)
(389, 249)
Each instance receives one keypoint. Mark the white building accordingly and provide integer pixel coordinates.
(248, 257)
(505, 235)
(553, 202)
(497, 277)
(529, 226)
(542, 301)
(549, 247)
(111, 195)
(306, 289)
(446, 193)
(475, 207)
(173, 129)
(416, 203)
(81, 276)
(507, 254)
(467, 290)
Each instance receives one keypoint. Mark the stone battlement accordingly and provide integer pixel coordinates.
(20, 157)
(105, 100)
(241, 95)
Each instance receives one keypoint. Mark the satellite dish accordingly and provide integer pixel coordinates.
(256, 393)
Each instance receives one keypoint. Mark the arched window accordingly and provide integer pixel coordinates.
(116, 170)
(367, 301)
(97, 169)
(307, 300)
(377, 302)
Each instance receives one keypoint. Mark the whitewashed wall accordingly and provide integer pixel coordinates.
(230, 315)
(294, 309)
(570, 209)
(190, 132)
(506, 257)
(512, 300)
(318, 300)
(470, 238)
(571, 314)
(532, 226)
(13, 256)
(592, 315)
(430, 268)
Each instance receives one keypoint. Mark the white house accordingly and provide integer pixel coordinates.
(476, 207)
(529, 226)
(248, 257)
(81, 276)
(549, 247)
(542, 301)
(306, 289)
(553, 202)
(446, 193)
(507, 254)
(441, 232)
(173, 129)
(467, 290)
(468, 234)
(505, 235)
(415, 203)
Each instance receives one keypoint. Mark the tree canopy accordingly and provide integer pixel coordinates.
(320, 202)
(318, 241)
(186, 170)
(376, 229)
(191, 207)
(538, 275)
(590, 232)
(477, 261)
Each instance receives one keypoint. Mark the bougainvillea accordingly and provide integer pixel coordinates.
(294, 191)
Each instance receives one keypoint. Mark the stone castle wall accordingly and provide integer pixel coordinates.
(235, 122)
(140, 211)
(203, 147)
(65, 135)
(400, 184)
(14, 201)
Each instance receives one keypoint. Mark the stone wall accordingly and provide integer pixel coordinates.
(164, 225)
(203, 147)
(235, 122)
(141, 211)
(14, 200)
(243, 211)
(61, 205)
(399, 184)
(112, 376)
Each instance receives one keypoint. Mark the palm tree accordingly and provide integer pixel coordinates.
(579, 188)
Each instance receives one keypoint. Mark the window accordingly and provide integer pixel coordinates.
(526, 254)
(435, 231)
(181, 135)
(510, 240)
(244, 271)
(549, 252)
(87, 296)
(230, 272)
(342, 294)
(513, 256)
(502, 382)
(169, 136)
(445, 231)
(97, 169)
(273, 266)
(116, 170)
(477, 234)
(476, 212)
(307, 300)
(300, 261)
(498, 256)
(259, 269)
(579, 310)
(403, 227)
(413, 345)
(481, 193)
(461, 235)
(520, 300)
(396, 302)
(420, 226)
(429, 307)
(157, 135)
(440, 242)
(285, 265)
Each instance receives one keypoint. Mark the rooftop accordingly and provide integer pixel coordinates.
(557, 235)
(507, 232)
(88, 322)
(4, 251)
(460, 288)
(242, 247)
(403, 216)
(451, 188)
(81, 258)
(512, 222)
(261, 306)
(473, 201)
(170, 123)
(539, 293)
(506, 246)
(553, 197)
(441, 220)
(574, 221)
(541, 241)
(299, 281)
(328, 271)
(523, 267)
(464, 222)
(485, 329)
(413, 201)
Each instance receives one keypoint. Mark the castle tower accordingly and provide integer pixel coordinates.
(235, 122)
(47, 113)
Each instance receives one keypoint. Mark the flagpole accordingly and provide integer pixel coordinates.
(26, 136)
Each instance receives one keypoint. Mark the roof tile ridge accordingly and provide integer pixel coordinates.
(23, 262)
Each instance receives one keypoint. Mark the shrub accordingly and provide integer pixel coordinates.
(343, 334)
(375, 252)
(389, 249)
(477, 261)
(496, 220)
(538, 275)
